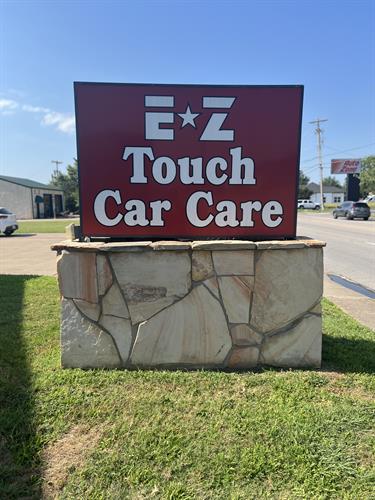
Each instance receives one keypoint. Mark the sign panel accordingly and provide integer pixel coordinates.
(345, 166)
(190, 161)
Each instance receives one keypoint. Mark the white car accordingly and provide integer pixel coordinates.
(8, 222)
(311, 205)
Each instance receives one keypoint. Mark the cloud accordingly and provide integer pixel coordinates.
(34, 109)
(8, 106)
(63, 122)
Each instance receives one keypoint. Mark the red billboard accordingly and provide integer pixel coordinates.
(349, 166)
(188, 161)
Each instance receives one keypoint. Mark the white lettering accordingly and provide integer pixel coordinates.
(159, 101)
(138, 176)
(247, 212)
(136, 215)
(237, 164)
(191, 176)
(272, 209)
(99, 207)
(227, 214)
(164, 170)
(212, 168)
(192, 208)
(213, 131)
(156, 210)
(153, 130)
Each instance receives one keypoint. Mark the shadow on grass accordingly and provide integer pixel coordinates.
(349, 355)
(18, 235)
(19, 473)
(348, 346)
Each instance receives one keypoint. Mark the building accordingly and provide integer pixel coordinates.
(331, 194)
(30, 199)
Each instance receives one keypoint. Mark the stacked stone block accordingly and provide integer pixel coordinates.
(213, 304)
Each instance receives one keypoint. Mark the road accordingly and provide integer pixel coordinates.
(350, 250)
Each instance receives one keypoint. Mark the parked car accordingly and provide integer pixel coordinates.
(352, 210)
(308, 204)
(369, 198)
(8, 222)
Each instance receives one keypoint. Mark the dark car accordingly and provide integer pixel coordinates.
(352, 210)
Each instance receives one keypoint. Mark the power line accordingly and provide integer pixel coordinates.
(342, 151)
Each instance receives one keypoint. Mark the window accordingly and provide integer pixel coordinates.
(336, 199)
(324, 199)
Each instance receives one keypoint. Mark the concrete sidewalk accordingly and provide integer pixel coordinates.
(29, 254)
(355, 304)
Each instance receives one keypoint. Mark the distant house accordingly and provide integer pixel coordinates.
(30, 199)
(331, 194)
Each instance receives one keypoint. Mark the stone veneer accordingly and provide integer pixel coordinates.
(202, 304)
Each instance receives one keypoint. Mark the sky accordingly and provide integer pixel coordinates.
(328, 46)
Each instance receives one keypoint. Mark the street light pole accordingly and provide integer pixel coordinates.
(57, 163)
(318, 132)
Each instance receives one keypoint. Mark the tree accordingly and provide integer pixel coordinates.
(303, 191)
(303, 179)
(331, 181)
(367, 176)
(68, 183)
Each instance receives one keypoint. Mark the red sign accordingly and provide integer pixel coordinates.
(191, 161)
(345, 166)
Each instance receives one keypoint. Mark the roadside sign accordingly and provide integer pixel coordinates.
(348, 166)
(189, 161)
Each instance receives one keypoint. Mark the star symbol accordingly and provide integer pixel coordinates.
(188, 117)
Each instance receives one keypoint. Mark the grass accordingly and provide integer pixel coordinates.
(179, 435)
(45, 226)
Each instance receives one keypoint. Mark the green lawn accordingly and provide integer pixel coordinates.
(179, 435)
(45, 226)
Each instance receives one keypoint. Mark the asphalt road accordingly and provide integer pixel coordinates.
(350, 250)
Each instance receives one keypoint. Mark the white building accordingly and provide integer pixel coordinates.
(331, 194)
(30, 199)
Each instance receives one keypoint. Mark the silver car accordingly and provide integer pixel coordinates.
(352, 210)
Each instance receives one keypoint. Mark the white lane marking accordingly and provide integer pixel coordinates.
(370, 242)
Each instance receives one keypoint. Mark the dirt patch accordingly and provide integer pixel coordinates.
(352, 392)
(332, 375)
(64, 456)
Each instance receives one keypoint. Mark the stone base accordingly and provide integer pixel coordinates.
(212, 304)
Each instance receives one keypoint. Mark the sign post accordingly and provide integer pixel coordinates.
(349, 167)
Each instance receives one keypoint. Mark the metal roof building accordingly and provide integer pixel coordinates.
(30, 199)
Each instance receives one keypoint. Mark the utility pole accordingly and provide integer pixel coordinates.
(318, 132)
(57, 162)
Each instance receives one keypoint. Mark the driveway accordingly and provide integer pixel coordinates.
(28, 253)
